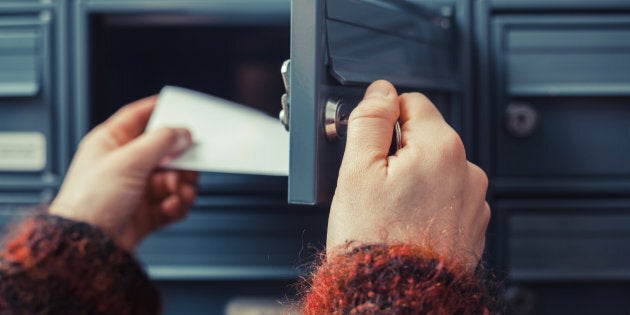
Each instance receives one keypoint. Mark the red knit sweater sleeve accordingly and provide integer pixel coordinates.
(399, 279)
(50, 265)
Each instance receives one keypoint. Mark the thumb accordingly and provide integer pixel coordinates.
(371, 124)
(149, 149)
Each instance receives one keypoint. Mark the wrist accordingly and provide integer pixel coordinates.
(396, 278)
(65, 210)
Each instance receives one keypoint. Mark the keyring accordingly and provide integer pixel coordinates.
(396, 139)
(398, 132)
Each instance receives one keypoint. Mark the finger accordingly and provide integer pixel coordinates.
(485, 217)
(188, 194)
(177, 205)
(418, 118)
(172, 208)
(191, 177)
(416, 107)
(157, 189)
(479, 178)
(486, 214)
(172, 181)
(129, 121)
(371, 124)
(146, 151)
(476, 183)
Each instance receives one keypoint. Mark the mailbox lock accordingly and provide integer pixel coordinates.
(336, 124)
(521, 120)
(335, 120)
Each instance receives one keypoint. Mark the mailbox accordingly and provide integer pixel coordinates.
(338, 47)
(34, 126)
(28, 118)
(539, 92)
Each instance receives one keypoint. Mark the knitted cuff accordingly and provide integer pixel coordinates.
(399, 279)
(52, 265)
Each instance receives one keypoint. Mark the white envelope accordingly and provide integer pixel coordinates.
(227, 137)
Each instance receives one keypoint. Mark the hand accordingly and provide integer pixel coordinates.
(114, 184)
(427, 194)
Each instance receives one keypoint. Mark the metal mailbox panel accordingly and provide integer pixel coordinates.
(566, 240)
(339, 47)
(19, 60)
(236, 237)
(563, 84)
(229, 56)
(605, 298)
(32, 143)
(25, 114)
(575, 137)
(14, 206)
(267, 297)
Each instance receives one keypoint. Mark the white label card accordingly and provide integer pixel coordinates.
(22, 151)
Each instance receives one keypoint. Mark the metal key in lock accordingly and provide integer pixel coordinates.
(336, 124)
(396, 140)
(335, 118)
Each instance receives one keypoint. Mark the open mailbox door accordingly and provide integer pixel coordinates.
(338, 47)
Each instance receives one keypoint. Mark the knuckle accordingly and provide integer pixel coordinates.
(487, 212)
(480, 177)
(452, 145)
(370, 109)
(168, 133)
(356, 113)
(91, 137)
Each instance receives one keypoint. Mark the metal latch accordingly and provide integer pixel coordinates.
(285, 101)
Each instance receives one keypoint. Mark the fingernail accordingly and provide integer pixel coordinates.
(378, 89)
(184, 139)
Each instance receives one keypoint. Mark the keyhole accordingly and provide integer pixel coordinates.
(521, 120)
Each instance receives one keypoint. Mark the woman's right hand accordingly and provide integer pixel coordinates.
(426, 194)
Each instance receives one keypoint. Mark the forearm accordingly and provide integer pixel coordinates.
(50, 265)
(399, 279)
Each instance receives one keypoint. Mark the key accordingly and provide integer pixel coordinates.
(396, 139)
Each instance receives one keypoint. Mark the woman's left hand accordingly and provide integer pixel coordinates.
(114, 181)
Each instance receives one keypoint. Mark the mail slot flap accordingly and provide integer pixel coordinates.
(409, 45)
(613, 37)
(398, 18)
(567, 239)
(21, 56)
(565, 55)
